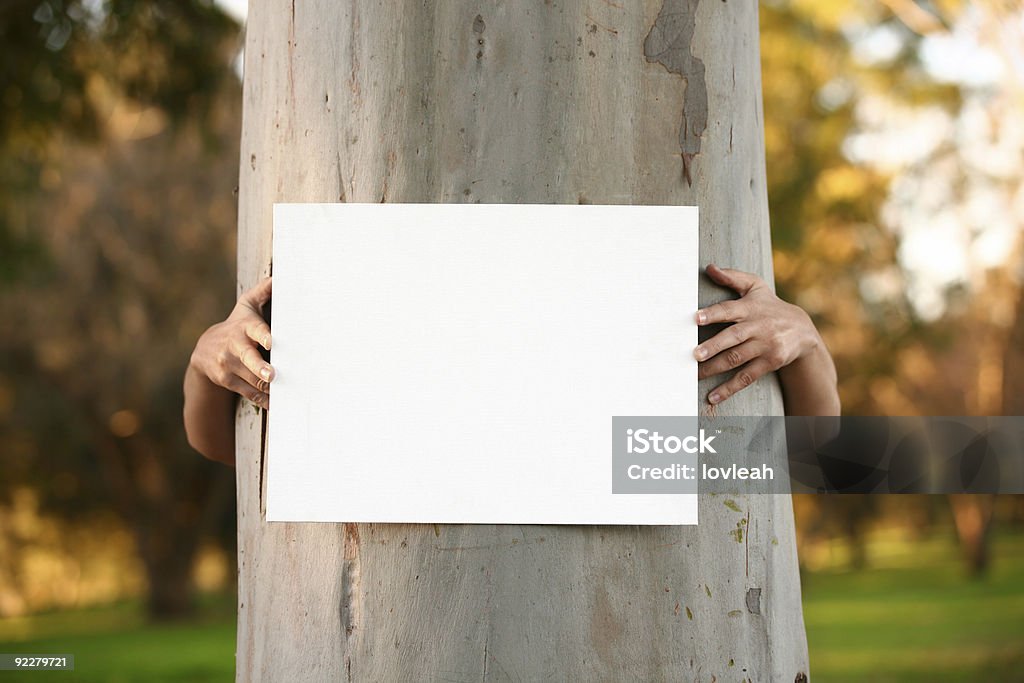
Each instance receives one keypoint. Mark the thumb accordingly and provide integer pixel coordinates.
(259, 294)
(738, 280)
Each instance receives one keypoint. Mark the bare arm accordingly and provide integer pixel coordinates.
(809, 384)
(209, 417)
(226, 364)
(768, 335)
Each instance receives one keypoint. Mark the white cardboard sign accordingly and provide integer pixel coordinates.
(461, 363)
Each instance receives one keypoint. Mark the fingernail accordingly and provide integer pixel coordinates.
(266, 372)
(702, 317)
(714, 397)
(266, 342)
(700, 352)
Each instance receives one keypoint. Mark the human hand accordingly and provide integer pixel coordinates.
(768, 333)
(228, 353)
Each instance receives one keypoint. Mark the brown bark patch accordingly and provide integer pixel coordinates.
(668, 43)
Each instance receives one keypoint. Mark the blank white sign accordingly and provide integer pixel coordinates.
(461, 363)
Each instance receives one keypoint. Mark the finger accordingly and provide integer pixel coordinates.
(259, 294)
(732, 310)
(247, 391)
(730, 358)
(727, 338)
(739, 280)
(252, 360)
(747, 375)
(239, 370)
(259, 331)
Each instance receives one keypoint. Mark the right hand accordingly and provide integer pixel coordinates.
(228, 353)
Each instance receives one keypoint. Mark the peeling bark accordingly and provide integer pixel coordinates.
(669, 44)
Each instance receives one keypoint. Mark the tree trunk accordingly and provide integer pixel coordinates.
(1013, 364)
(553, 102)
(973, 515)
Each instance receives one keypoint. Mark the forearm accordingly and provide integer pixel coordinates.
(809, 384)
(209, 417)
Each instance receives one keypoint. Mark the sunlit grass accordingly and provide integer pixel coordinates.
(912, 615)
(115, 644)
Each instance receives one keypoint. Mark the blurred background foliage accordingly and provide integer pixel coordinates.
(119, 153)
(895, 148)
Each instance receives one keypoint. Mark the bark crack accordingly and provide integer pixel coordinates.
(291, 62)
(483, 676)
(349, 608)
(341, 180)
(263, 460)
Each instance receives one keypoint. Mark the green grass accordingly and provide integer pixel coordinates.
(114, 644)
(912, 616)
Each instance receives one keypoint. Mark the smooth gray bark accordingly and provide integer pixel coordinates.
(514, 102)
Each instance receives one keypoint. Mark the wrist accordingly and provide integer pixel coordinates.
(196, 371)
(814, 347)
(815, 359)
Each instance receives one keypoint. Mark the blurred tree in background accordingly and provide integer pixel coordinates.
(895, 153)
(119, 148)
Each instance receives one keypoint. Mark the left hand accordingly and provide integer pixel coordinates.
(768, 333)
